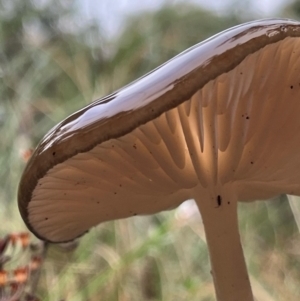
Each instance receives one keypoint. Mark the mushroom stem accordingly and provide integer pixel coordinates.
(228, 265)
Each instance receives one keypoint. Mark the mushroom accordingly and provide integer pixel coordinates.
(218, 123)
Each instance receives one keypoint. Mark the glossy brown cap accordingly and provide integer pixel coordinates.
(222, 115)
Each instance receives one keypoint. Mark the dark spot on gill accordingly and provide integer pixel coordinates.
(219, 200)
(292, 87)
(53, 154)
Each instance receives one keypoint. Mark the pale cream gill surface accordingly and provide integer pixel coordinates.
(241, 129)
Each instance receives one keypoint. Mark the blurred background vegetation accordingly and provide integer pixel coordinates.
(55, 58)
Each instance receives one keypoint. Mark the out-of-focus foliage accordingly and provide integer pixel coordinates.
(47, 60)
(52, 62)
(46, 37)
(152, 38)
(292, 10)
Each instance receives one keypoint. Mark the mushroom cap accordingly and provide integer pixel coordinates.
(223, 115)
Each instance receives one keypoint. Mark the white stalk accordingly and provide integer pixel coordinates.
(228, 265)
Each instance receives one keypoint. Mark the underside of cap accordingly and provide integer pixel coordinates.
(239, 130)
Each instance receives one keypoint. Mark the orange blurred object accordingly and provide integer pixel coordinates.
(35, 263)
(21, 275)
(24, 237)
(3, 278)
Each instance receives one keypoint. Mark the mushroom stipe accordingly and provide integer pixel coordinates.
(218, 123)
